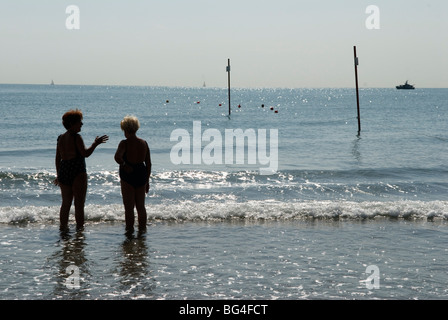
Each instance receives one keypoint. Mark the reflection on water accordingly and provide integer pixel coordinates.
(72, 267)
(135, 279)
(81, 271)
(355, 149)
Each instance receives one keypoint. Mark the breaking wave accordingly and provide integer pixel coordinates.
(190, 211)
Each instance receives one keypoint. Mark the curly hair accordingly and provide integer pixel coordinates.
(71, 117)
(130, 124)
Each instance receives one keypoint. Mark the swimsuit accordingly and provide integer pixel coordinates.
(137, 175)
(134, 174)
(69, 169)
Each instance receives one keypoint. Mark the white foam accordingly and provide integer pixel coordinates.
(213, 210)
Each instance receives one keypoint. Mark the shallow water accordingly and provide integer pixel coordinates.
(227, 260)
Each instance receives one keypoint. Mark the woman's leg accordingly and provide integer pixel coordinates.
(140, 194)
(79, 193)
(67, 197)
(128, 194)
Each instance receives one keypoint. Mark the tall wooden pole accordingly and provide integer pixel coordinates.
(228, 80)
(357, 89)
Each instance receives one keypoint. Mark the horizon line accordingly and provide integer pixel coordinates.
(201, 87)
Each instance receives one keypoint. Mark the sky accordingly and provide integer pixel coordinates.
(281, 43)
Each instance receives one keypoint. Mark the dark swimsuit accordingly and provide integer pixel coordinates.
(134, 174)
(69, 169)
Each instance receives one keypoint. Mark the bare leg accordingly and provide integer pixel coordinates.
(128, 194)
(140, 194)
(67, 197)
(79, 192)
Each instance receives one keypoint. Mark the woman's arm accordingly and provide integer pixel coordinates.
(148, 160)
(148, 164)
(119, 154)
(57, 159)
(87, 152)
(57, 162)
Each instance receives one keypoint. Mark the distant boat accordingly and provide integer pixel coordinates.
(52, 83)
(204, 85)
(405, 86)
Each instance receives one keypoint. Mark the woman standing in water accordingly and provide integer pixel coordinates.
(134, 157)
(71, 167)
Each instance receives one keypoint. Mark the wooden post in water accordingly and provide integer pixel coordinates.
(228, 80)
(357, 89)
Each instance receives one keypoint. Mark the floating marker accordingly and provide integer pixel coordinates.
(220, 104)
(239, 106)
(167, 101)
(276, 111)
(272, 108)
(262, 105)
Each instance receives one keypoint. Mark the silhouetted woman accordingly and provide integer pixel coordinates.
(71, 167)
(134, 157)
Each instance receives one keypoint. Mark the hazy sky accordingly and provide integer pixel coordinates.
(281, 43)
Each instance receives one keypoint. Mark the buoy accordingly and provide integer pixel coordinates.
(276, 111)
(167, 101)
(220, 104)
(262, 105)
(272, 108)
(198, 102)
(239, 106)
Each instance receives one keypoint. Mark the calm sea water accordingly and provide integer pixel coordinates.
(345, 216)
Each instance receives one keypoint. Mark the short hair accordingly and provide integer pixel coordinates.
(130, 124)
(71, 117)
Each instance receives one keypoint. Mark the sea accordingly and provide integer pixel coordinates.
(285, 198)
